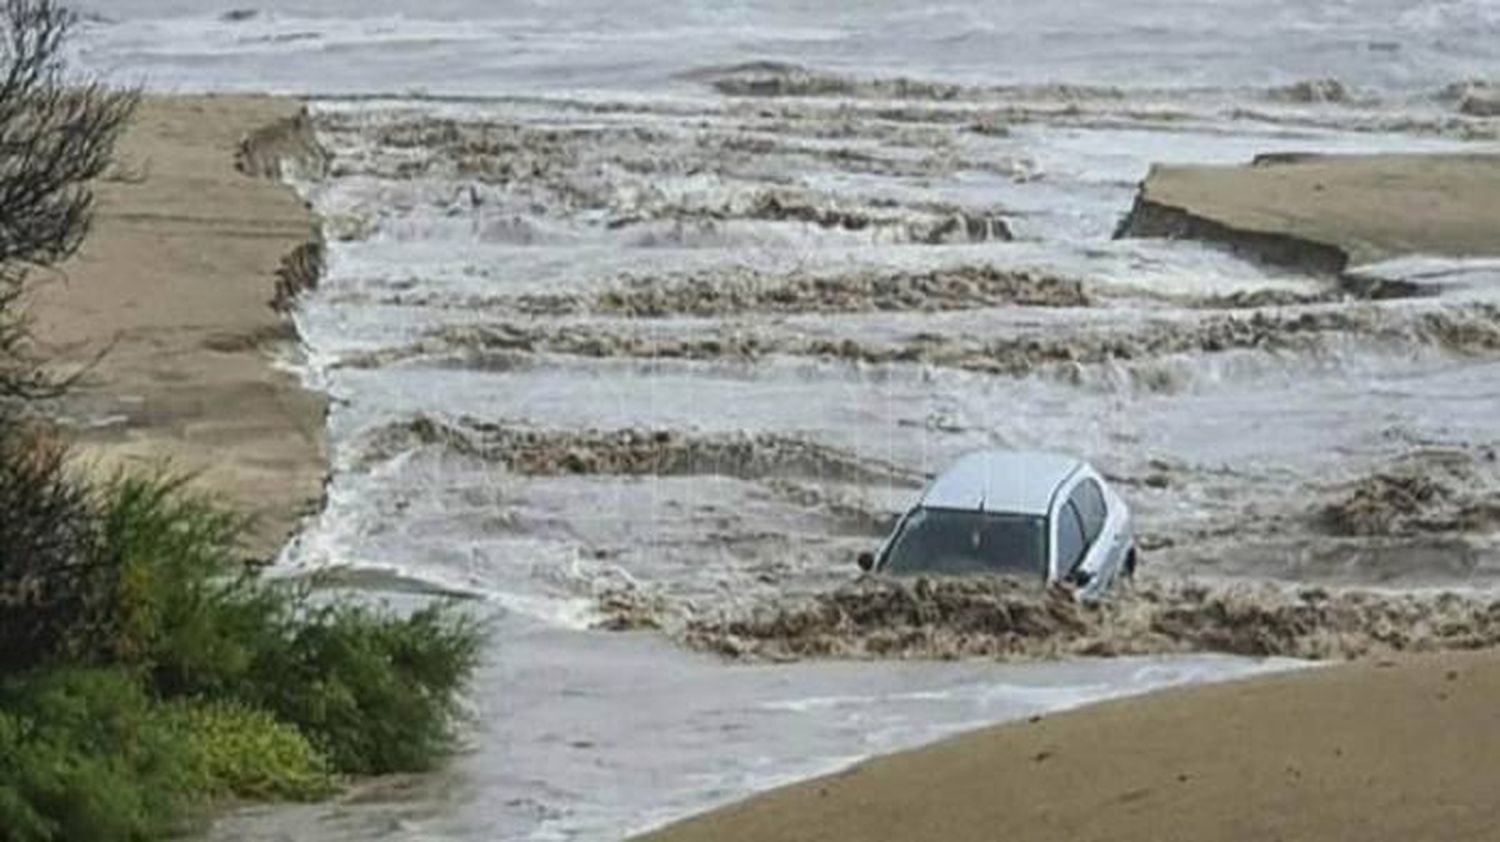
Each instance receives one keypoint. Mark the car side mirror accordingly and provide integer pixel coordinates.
(866, 561)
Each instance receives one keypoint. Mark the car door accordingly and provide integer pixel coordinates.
(1069, 540)
(1084, 511)
(1112, 543)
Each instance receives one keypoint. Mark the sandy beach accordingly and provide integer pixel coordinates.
(1376, 752)
(174, 287)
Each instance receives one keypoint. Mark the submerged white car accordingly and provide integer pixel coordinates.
(1021, 514)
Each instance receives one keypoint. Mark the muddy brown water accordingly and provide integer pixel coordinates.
(997, 618)
(643, 376)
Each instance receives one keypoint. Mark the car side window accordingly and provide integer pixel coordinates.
(1071, 543)
(1088, 497)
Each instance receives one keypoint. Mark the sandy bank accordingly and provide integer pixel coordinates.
(1327, 212)
(1372, 751)
(176, 282)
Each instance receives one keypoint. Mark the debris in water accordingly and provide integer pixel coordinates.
(635, 452)
(1312, 91)
(631, 609)
(782, 79)
(1012, 620)
(1471, 330)
(745, 290)
(1424, 492)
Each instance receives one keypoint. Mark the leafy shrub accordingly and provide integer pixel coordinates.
(373, 690)
(85, 755)
(183, 676)
(240, 751)
(376, 692)
(182, 607)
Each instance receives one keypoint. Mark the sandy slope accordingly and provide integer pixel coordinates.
(175, 282)
(1369, 752)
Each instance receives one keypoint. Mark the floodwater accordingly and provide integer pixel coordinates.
(641, 319)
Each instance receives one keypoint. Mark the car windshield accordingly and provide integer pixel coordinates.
(952, 542)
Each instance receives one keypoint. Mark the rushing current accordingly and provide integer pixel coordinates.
(640, 317)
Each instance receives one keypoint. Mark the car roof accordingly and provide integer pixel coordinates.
(1020, 482)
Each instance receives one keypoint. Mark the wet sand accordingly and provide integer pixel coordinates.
(175, 286)
(1330, 211)
(1381, 750)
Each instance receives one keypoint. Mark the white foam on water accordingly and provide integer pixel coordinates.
(1467, 278)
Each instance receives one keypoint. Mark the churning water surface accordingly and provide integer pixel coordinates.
(639, 315)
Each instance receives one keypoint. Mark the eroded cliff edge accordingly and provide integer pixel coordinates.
(196, 242)
(1327, 213)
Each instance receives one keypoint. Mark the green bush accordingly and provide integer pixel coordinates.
(184, 607)
(85, 755)
(182, 676)
(377, 692)
(373, 690)
(239, 751)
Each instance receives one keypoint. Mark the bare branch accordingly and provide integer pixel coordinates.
(57, 135)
